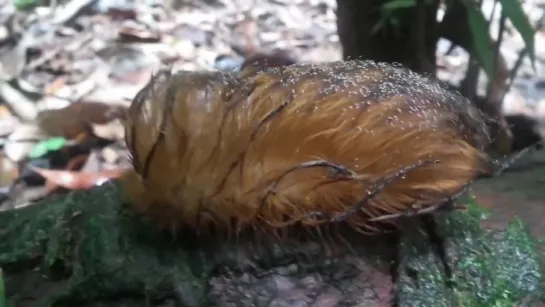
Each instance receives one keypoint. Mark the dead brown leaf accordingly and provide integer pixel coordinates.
(113, 130)
(140, 76)
(54, 87)
(73, 180)
(76, 162)
(131, 35)
(78, 118)
(122, 14)
(8, 171)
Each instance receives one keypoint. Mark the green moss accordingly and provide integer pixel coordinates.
(99, 250)
(495, 268)
(489, 268)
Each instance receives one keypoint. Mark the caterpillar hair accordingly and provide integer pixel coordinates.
(357, 142)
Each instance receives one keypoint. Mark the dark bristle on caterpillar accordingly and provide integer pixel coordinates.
(351, 142)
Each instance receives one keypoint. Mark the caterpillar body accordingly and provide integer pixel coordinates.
(308, 144)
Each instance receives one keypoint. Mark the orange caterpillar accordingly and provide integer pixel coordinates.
(355, 141)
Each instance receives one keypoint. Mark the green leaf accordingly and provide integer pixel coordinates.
(24, 5)
(37, 151)
(46, 146)
(480, 37)
(514, 12)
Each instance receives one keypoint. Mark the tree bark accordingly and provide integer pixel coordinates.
(412, 42)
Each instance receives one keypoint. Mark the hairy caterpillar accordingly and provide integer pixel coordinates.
(353, 141)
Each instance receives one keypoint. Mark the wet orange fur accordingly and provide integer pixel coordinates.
(371, 118)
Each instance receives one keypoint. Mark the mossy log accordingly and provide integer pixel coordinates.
(87, 249)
